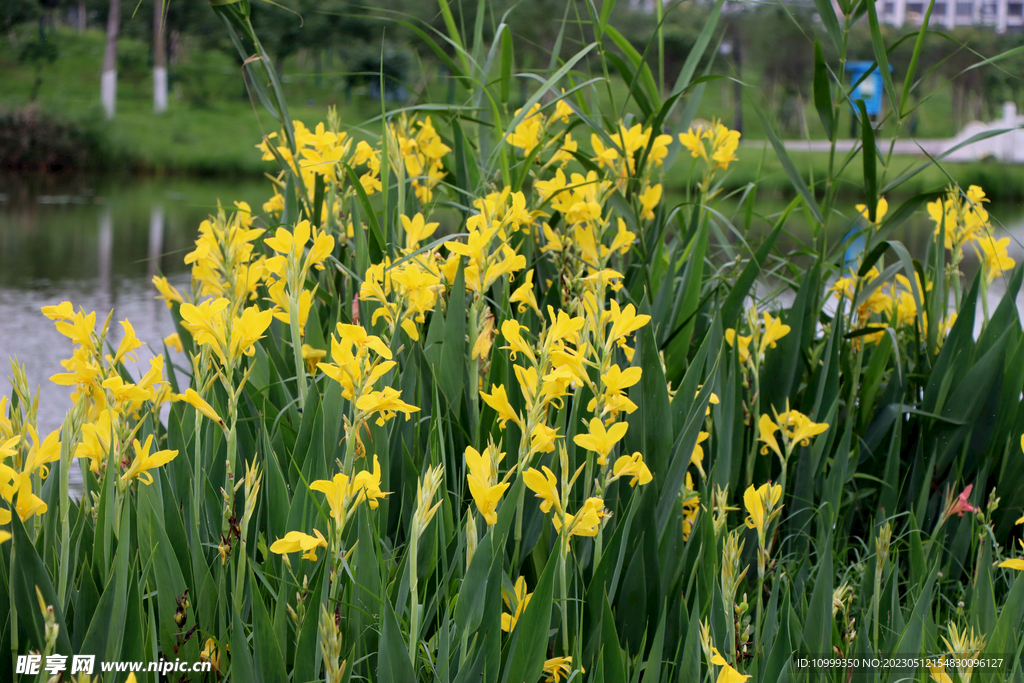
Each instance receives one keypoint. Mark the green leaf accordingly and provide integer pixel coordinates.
(881, 57)
(269, 660)
(530, 642)
(787, 165)
(830, 21)
(242, 667)
(822, 91)
(377, 243)
(1008, 627)
(507, 61)
(27, 574)
(817, 631)
(780, 650)
(733, 305)
(868, 150)
(393, 665)
(697, 51)
(644, 71)
(611, 653)
(651, 398)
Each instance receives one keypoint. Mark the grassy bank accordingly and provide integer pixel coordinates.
(211, 127)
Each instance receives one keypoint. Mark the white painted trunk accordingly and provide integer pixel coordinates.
(108, 92)
(108, 77)
(160, 89)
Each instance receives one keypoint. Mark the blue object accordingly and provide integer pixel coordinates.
(856, 247)
(870, 89)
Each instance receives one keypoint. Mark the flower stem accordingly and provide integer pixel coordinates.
(300, 365)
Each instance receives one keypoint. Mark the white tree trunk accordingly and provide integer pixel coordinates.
(159, 60)
(108, 81)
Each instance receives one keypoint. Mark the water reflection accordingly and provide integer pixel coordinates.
(98, 248)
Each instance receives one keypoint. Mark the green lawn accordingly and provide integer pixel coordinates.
(211, 126)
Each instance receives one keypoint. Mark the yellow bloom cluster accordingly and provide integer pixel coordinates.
(763, 335)
(714, 143)
(418, 147)
(487, 249)
(796, 429)
(963, 218)
(322, 152)
(482, 478)
(894, 304)
(356, 371)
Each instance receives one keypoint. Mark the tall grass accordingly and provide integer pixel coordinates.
(571, 440)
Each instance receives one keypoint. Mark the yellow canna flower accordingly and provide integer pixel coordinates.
(881, 209)
(774, 330)
(766, 433)
(78, 329)
(542, 439)
(4, 536)
(586, 522)
(624, 321)
(527, 134)
(167, 291)
(296, 541)
(694, 142)
(96, 439)
(126, 394)
(173, 342)
(545, 485)
(28, 503)
(799, 427)
(556, 668)
(144, 462)
(40, 454)
(128, 343)
(192, 398)
(632, 466)
(498, 401)
(697, 457)
(508, 621)
(995, 260)
(484, 339)
(1016, 562)
(357, 335)
(385, 403)
(486, 498)
(659, 149)
(724, 143)
(730, 339)
(248, 329)
(760, 504)
(336, 491)
(482, 477)
(604, 156)
(727, 673)
(416, 230)
(62, 311)
(601, 440)
(367, 484)
(312, 357)
(649, 199)
(524, 295)
(937, 672)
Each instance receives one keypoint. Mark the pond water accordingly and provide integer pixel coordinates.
(98, 246)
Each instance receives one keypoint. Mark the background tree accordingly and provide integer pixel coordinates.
(108, 79)
(159, 59)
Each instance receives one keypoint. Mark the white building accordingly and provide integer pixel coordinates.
(1003, 15)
